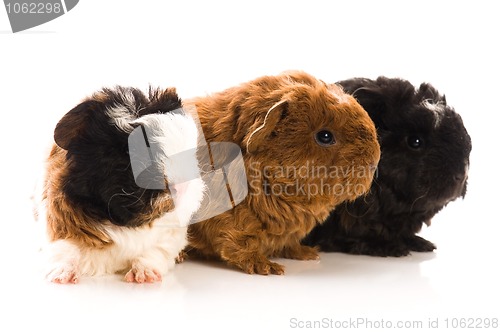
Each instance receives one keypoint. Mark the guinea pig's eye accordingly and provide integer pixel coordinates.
(325, 138)
(414, 142)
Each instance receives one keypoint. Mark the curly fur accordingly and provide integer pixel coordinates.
(414, 181)
(274, 119)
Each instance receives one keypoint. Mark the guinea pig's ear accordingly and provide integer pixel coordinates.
(367, 92)
(261, 129)
(428, 92)
(75, 122)
(352, 84)
(373, 100)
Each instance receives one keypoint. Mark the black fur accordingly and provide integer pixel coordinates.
(413, 183)
(99, 176)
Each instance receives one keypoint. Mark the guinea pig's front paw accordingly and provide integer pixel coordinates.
(416, 243)
(300, 252)
(260, 265)
(141, 274)
(181, 257)
(64, 273)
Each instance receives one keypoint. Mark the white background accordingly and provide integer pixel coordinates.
(206, 47)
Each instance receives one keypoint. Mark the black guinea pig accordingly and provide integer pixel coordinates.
(424, 166)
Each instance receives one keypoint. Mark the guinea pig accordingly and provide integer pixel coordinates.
(424, 165)
(306, 147)
(99, 220)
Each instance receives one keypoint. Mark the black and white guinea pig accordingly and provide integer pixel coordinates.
(424, 165)
(99, 221)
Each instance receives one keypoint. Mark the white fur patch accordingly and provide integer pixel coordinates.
(175, 137)
(121, 118)
(154, 248)
(63, 260)
(123, 114)
(436, 109)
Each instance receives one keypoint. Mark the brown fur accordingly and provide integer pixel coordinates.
(267, 223)
(64, 220)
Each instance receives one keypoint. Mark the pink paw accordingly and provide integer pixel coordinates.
(141, 274)
(66, 274)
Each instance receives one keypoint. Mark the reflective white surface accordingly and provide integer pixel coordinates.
(202, 48)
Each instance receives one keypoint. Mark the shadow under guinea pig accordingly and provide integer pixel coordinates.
(424, 166)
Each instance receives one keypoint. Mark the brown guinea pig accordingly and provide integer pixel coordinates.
(306, 147)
